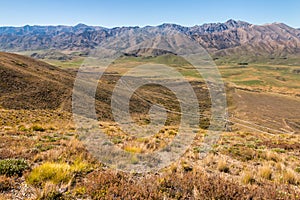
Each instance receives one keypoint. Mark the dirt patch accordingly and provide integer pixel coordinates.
(267, 112)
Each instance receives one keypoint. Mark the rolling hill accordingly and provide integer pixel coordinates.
(30, 84)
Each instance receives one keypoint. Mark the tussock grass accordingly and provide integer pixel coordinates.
(290, 177)
(247, 177)
(265, 172)
(271, 155)
(133, 149)
(223, 166)
(57, 172)
(52, 172)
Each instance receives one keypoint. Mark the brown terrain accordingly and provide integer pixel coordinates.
(29, 84)
(271, 113)
(42, 158)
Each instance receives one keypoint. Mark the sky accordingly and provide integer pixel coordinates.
(113, 13)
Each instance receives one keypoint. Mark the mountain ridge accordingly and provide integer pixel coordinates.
(230, 37)
(82, 25)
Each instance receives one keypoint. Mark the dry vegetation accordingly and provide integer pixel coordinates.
(68, 171)
(41, 157)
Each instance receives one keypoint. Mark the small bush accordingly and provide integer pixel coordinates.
(278, 150)
(43, 147)
(134, 160)
(187, 167)
(173, 133)
(5, 183)
(12, 167)
(38, 128)
(79, 191)
(23, 128)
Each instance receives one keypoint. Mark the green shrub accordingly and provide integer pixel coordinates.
(23, 128)
(12, 167)
(279, 150)
(38, 128)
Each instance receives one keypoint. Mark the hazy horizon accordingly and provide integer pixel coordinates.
(99, 25)
(135, 13)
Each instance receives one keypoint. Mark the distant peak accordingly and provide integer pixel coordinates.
(169, 25)
(81, 25)
(231, 21)
(236, 24)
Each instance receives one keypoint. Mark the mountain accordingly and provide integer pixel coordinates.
(220, 39)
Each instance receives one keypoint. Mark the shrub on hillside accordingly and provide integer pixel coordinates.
(10, 167)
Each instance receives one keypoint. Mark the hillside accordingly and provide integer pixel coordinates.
(31, 84)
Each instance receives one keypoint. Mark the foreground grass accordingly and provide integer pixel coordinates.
(240, 166)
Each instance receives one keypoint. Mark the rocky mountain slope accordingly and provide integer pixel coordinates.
(231, 37)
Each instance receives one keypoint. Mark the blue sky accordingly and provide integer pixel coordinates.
(141, 12)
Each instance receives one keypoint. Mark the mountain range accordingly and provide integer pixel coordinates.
(220, 39)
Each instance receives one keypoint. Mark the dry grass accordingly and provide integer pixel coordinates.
(6, 183)
(289, 176)
(247, 177)
(52, 172)
(265, 172)
(223, 166)
(133, 149)
(49, 191)
(271, 155)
